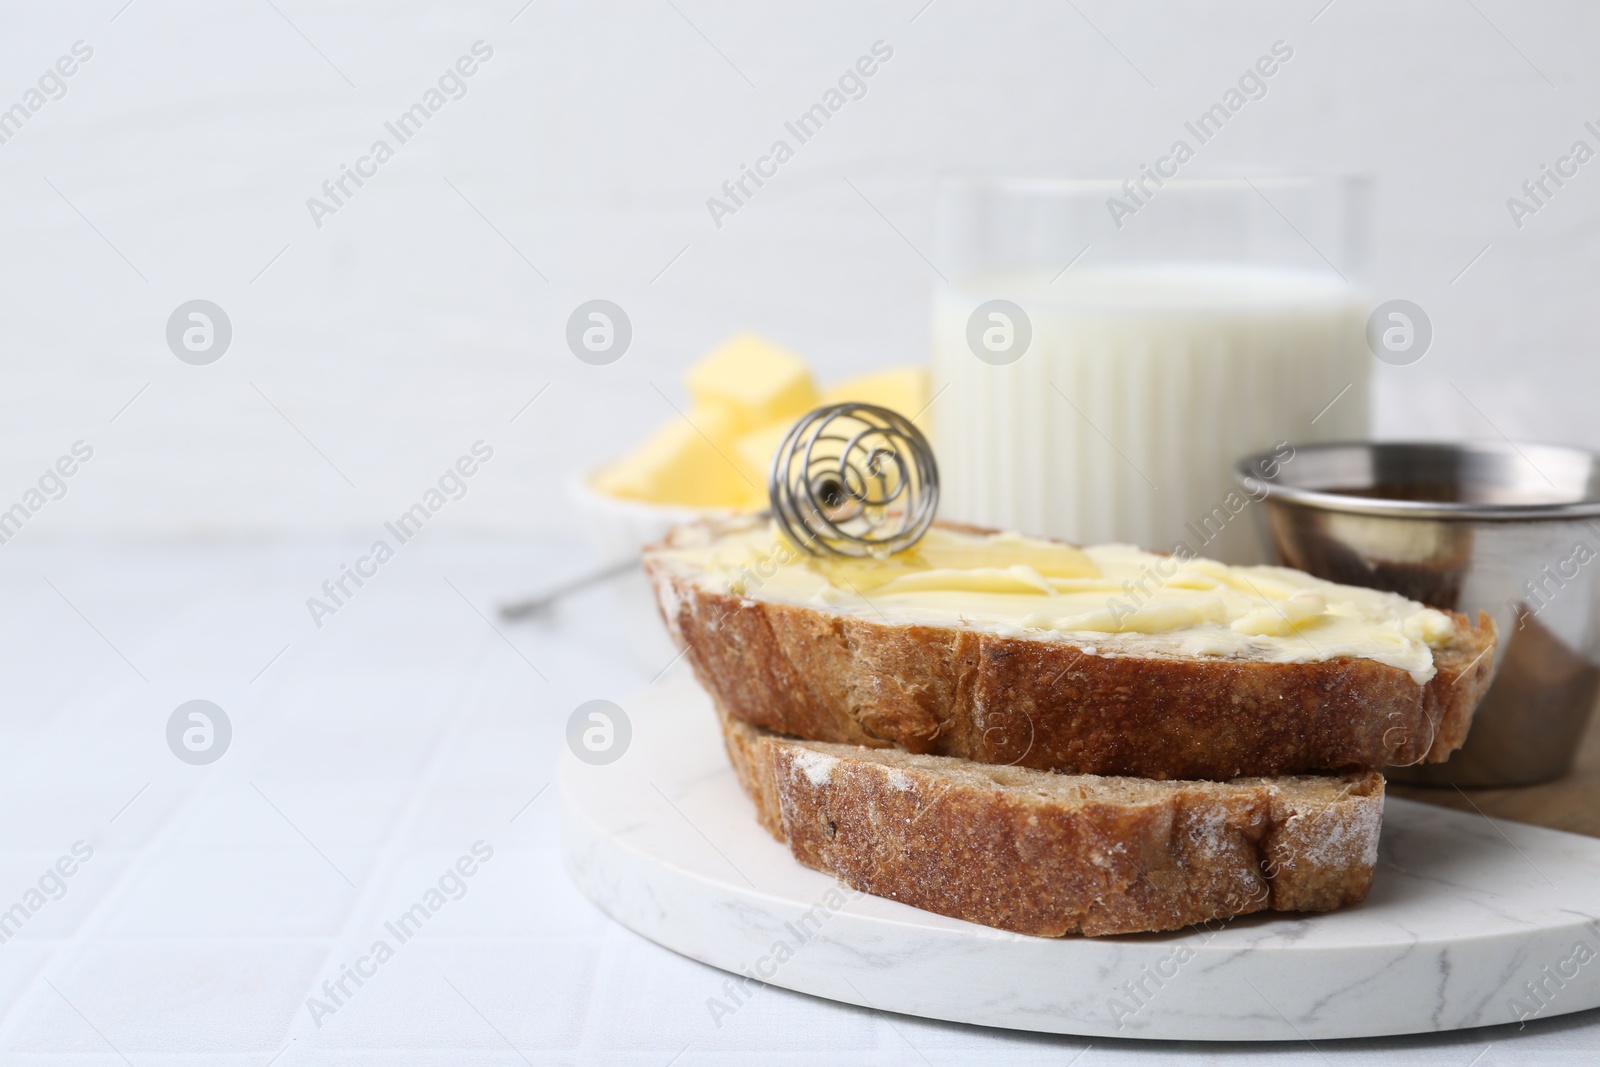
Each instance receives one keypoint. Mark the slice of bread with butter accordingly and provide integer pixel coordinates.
(1106, 660)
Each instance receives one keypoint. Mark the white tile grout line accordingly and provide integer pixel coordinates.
(90, 692)
(357, 933)
(68, 951)
(80, 692)
(65, 951)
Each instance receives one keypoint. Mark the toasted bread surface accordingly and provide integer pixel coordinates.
(1048, 854)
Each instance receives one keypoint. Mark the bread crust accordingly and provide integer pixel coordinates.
(848, 679)
(1050, 855)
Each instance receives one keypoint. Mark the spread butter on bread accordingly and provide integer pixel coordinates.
(1105, 660)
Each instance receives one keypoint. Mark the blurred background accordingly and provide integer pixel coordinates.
(432, 306)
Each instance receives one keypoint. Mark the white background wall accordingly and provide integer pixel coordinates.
(406, 328)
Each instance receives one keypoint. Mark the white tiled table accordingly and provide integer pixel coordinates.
(369, 757)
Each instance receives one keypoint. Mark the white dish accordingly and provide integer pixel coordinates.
(1462, 914)
(622, 527)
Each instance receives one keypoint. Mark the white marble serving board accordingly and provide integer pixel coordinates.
(1469, 923)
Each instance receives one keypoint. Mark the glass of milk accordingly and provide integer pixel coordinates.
(1104, 351)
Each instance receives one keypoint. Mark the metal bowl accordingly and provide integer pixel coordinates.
(1512, 530)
